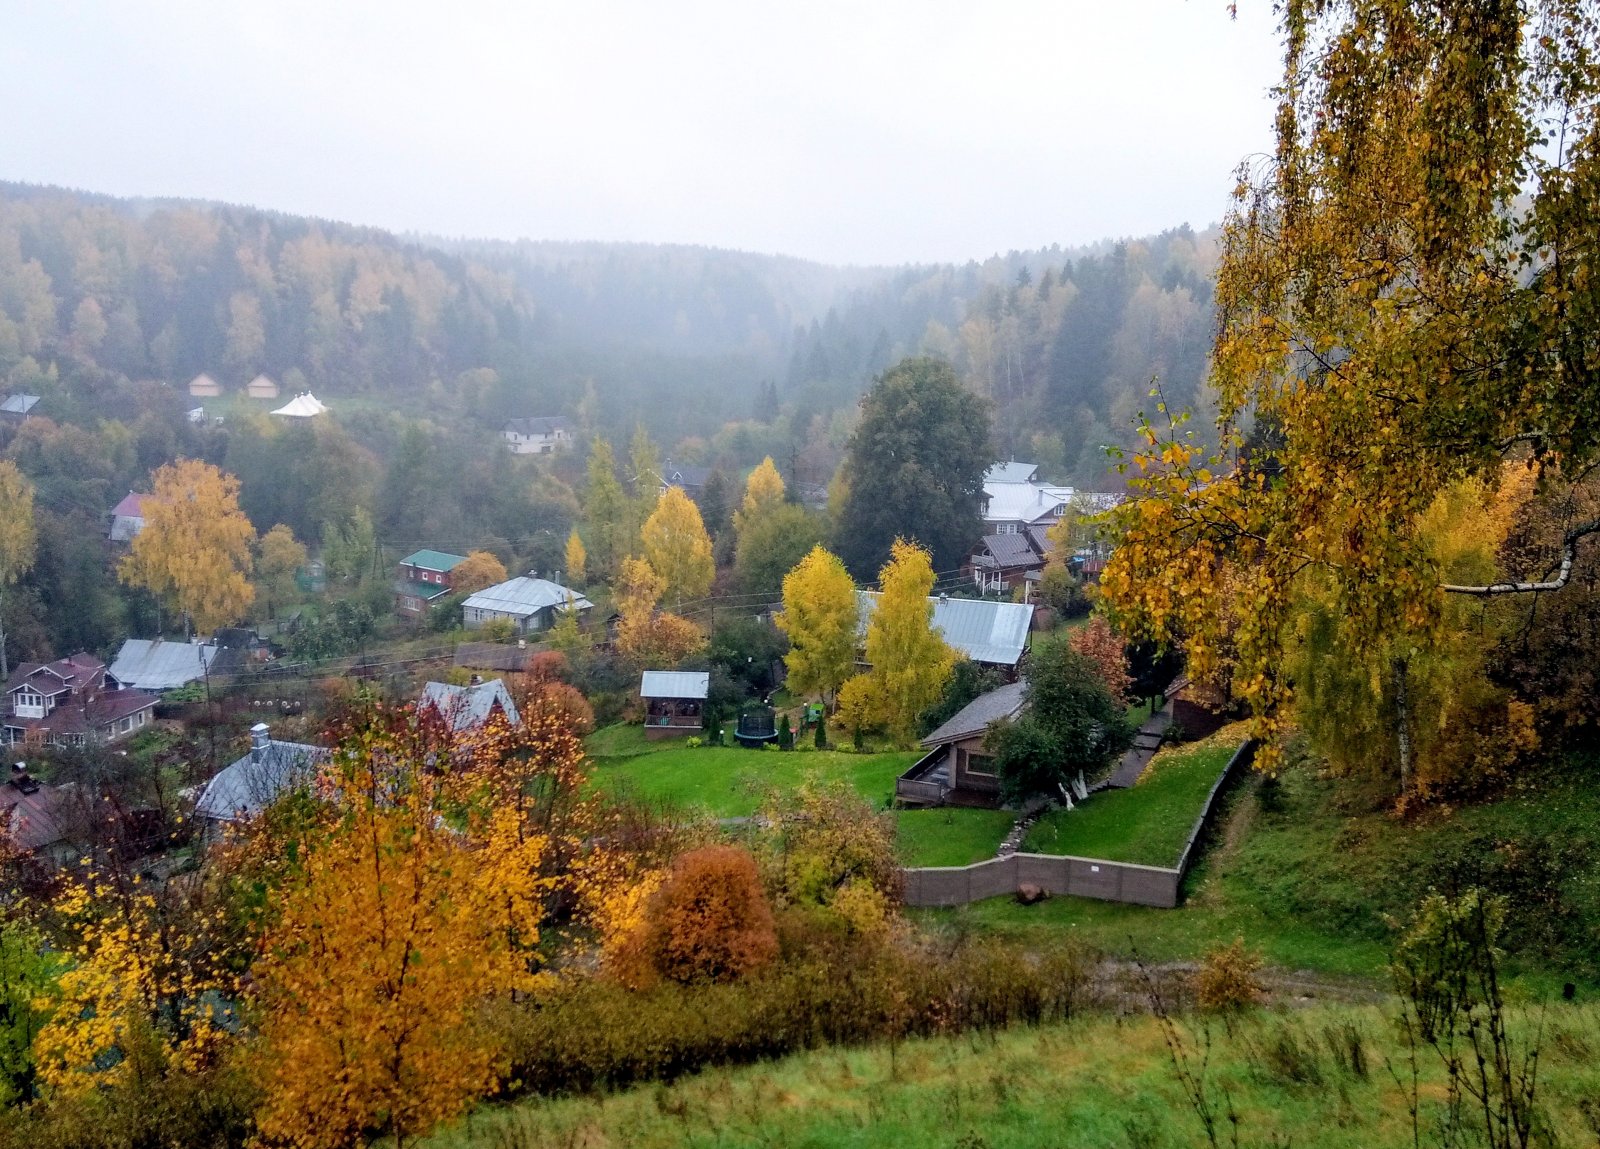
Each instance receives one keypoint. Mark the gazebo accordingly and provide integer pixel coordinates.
(675, 702)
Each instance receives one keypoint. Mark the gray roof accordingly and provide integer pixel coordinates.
(18, 404)
(1012, 550)
(975, 716)
(525, 595)
(539, 425)
(681, 475)
(156, 664)
(674, 684)
(468, 706)
(249, 785)
(981, 629)
(1011, 473)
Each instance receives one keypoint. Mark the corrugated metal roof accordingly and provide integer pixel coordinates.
(524, 595)
(981, 629)
(156, 664)
(976, 715)
(674, 684)
(441, 561)
(18, 404)
(467, 706)
(250, 784)
(1012, 550)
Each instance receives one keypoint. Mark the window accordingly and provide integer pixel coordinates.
(1007, 529)
(981, 764)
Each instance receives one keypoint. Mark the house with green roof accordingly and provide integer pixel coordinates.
(423, 579)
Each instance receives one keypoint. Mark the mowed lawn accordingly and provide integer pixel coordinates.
(950, 835)
(729, 782)
(1147, 823)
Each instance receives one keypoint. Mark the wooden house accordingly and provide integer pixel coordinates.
(68, 703)
(261, 387)
(538, 436)
(422, 579)
(957, 770)
(529, 602)
(675, 702)
(202, 386)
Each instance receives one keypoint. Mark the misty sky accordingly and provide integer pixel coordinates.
(873, 132)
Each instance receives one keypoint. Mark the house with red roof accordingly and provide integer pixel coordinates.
(67, 703)
(127, 518)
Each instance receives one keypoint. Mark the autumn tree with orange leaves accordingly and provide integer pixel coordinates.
(422, 898)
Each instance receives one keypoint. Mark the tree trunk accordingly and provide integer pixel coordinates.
(1402, 721)
(5, 665)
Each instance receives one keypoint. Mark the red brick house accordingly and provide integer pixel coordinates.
(423, 579)
(67, 703)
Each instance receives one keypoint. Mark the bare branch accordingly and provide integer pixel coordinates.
(1569, 550)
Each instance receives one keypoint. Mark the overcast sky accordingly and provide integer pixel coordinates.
(870, 132)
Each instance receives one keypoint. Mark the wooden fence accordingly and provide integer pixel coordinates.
(1078, 877)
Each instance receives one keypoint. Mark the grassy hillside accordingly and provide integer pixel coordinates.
(1147, 824)
(1101, 1081)
(1307, 871)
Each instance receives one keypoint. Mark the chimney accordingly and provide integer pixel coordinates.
(475, 680)
(943, 598)
(260, 739)
(533, 574)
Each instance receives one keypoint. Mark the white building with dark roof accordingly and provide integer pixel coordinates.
(538, 436)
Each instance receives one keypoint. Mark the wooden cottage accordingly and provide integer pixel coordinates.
(261, 387)
(202, 386)
(675, 702)
(957, 770)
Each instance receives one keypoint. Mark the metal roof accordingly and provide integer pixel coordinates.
(18, 404)
(538, 425)
(975, 716)
(1023, 502)
(441, 561)
(981, 629)
(250, 784)
(1012, 472)
(525, 595)
(1012, 550)
(156, 664)
(468, 706)
(674, 684)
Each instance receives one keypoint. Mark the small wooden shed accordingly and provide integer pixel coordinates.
(675, 702)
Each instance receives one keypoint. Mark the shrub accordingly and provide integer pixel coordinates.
(708, 922)
(834, 987)
(821, 738)
(550, 665)
(693, 743)
(498, 630)
(785, 733)
(1226, 981)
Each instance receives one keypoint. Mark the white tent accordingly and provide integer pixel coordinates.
(302, 406)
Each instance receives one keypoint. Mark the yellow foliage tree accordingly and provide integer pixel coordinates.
(820, 617)
(763, 491)
(677, 547)
(646, 636)
(194, 549)
(478, 570)
(421, 898)
(278, 556)
(139, 997)
(18, 539)
(910, 661)
(577, 559)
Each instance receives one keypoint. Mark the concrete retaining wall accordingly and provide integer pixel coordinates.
(1077, 877)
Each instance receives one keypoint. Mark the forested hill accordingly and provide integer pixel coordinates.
(97, 293)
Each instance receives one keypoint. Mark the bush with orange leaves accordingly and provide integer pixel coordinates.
(707, 921)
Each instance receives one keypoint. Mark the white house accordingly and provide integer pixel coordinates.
(538, 436)
(530, 602)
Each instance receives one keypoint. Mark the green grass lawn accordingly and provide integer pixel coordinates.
(1148, 823)
(1308, 871)
(1103, 1082)
(950, 835)
(728, 782)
